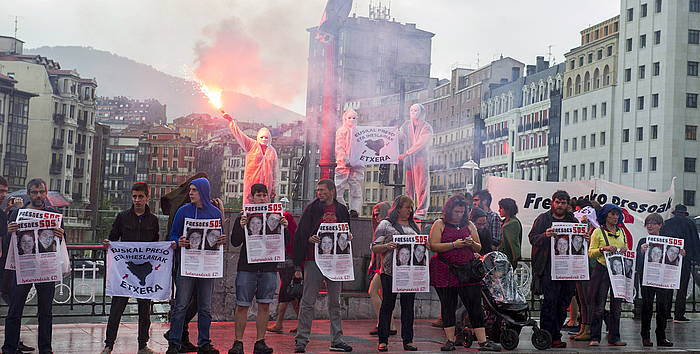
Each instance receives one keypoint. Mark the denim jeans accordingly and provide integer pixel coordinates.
(13, 322)
(184, 288)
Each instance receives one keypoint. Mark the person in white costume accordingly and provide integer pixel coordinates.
(260, 160)
(417, 135)
(347, 176)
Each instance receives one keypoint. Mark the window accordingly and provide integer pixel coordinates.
(657, 69)
(654, 132)
(591, 167)
(574, 144)
(610, 50)
(583, 142)
(604, 109)
(626, 105)
(640, 133)
(594, 111)
(566, 145)
(693, 36)
(602, 138)
(601, 167)
(691, 100)
(640, 102)
(694, 6)
(599, 54)
(643, 41)
(689, 198)
(564, 172)
(573, 172)
(572, 64)
(630, 14)
(583, 170)
(70, 137)
(584, 113)
(628, 45)
(689, 164)
(625, 135)
(655, 100)
(625, 166)
(580, 61)
(592, 140)
(692, 68)
(638, 165)
(590, 58)
(628, 74)
(576, 116)
(652, 163)
(66, 187)
(691, 132)
(69, 161)
(642, 71)
(657, 6)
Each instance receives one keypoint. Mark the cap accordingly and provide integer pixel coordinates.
(680, 209)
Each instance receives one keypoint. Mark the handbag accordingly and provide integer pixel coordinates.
(295, 288)
(472, 272)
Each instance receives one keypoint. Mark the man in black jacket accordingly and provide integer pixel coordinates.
(557, 293)
(681, 226)
(325, 209)
(136, 224)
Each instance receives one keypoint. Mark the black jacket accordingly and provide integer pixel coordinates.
(238, 240)
(541, 244)
(308, 226)
(129, 227)
(683, 227)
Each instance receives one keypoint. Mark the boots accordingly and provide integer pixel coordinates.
(585, 334)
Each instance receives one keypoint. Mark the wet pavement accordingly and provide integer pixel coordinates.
(89, 337)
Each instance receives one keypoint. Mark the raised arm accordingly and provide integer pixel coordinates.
(243, 140)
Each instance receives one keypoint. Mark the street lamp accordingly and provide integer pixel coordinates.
(473, 166)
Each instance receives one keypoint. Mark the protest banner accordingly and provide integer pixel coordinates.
(264, 232)
(410, 268)
(202, 258)
(621, 272)
(569, 250)
(374, 146)
(140, 270)
(533, 198)
(334, 253)
(33, 214)
(34, 249)
(662, 265)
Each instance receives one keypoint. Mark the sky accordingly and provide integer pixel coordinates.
(172, 35)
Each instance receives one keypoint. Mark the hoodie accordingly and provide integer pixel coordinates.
(189, 210)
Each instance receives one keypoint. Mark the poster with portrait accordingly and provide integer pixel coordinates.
(264, 232)
(35, 256)
(202, 258)
(621, 273)
(569, 249)
(410, 269)
(45, 236)
(334, 253)
(662, 265)
(141, 270)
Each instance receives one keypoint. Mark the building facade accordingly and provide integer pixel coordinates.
(14, 118)
(119, 112)
(121, 156)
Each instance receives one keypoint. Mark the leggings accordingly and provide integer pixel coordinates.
(471, 298)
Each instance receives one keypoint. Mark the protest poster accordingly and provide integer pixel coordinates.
(662, 265)
(34, 250)
(569, 249)
(334, 253)
(140, 270)
(410, 268)
(374, 146)
(34, 214)
(621, 272)
(264, 232)
(533, 199)
(202, 258)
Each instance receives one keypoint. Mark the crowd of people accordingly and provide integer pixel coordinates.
(466, 230)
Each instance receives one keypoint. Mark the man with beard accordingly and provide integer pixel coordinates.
(482, 200)
(480, 220)
(37, 193)
(557, 293)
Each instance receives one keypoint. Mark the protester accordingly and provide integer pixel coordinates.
(379, 212)
(136, 224)
(511, 231)
(653, 224)
(681, 226)
(260, 160)
(348, 176)
(557, 293)
(37, 193)
(581, 302)
(325, 209)
(399, 222)
(286, 273)
(417, 135)
(257, 280)
(456, 241)
(200, 207)
(482, 200)
(608, 238)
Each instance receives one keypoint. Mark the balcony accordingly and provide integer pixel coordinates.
(82, 123)
(79, 148)
(77, 196)
(545, 122)
(520, 128)
(59, 118)
(56, 168)
(78, 173)
(57, 144)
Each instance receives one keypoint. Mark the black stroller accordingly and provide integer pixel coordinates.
(506, 310)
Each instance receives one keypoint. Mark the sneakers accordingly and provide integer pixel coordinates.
(188, 347)
(448, 347)
(236, 348)
(558, 344)
(299, 348)
(682, 319)
(25, 348)
(260, 348)
(207, 349)
(664, 343)
(172, 349)
(340, 347)
(489, 346)
(146, 350)
(106, 350)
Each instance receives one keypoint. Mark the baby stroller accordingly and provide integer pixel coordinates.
(506, 310)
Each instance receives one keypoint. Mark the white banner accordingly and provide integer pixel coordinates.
(569, 249)
(374, 146)
(621, 273)
(264, 232)
(203, 258)
(533, 198)
(334, 253)
(663, 262)
(140, 270)
(410, 269)
(34, 248)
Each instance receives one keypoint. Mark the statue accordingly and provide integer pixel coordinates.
(260, 161)
(417, 135)
(347, 175)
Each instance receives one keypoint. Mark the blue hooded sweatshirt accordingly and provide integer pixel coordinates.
(189, 210)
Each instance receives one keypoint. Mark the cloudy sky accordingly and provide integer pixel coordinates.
(170, 35)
